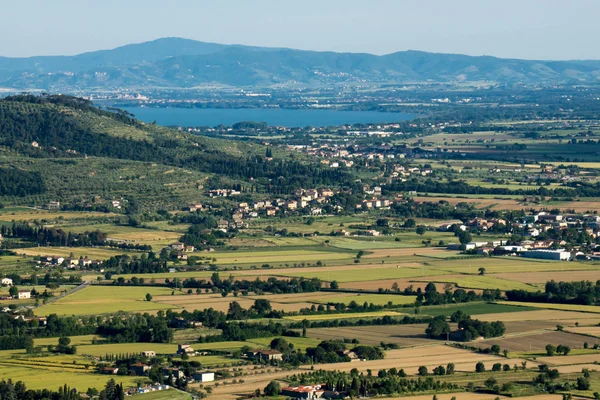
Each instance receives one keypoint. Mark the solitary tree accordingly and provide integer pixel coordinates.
(272, 389)
(148, 297)
(481, 271)
(479, 367)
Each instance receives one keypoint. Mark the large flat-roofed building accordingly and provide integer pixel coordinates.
(559, 254)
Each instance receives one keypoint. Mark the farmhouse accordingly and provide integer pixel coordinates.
(152, 388)
(6, 281)
(303, 392)
(177, 246)
(24, 294)
(184, 349)
(176, 373)
(265, 355)
(203, 376)
(109, 370)
(139, 369)
(54, 205)
(149, 354)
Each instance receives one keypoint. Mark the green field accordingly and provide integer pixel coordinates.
(75, 340)
(171, 394)
(324, 317)
(298, 342)
(53, 378)
(472, 309)
(485, 282)
(95, 253)
(107, 299)
(278, 256)
(370, 274)
(115, 348)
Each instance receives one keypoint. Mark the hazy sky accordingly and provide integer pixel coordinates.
(534, 29)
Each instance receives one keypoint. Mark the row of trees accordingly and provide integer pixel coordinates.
(356, 384)
(468, 328)
(579, 292)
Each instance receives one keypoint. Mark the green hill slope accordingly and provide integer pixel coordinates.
(43, 138)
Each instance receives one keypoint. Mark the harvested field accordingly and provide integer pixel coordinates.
(409, 251)
(535, 342)
(496, 204)
(571, 360)
(377, 299)
(383, 283)
(410, 359)
(287, 303)
(556, 316)
(570, 369)
(567, 276)
(586, 330)
(403, 335)
(553, 306)
(513, 327)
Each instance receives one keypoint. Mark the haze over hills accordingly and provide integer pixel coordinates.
(183, 63)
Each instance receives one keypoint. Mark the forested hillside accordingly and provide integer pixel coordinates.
(61, 127)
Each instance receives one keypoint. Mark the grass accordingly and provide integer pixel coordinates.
(153, 237)
(573, 352)
(550, 306)
(97, 350)
(298, 342)
(360, 275)
(170, 394)
(282, 255)
(219, 346)
(30, 214)
(95, 253)
(485, 282)
(53, 378)
(472, 309)
(324, 317)
(211, 361)
(107, 299)
(377, 299)
(75, 340)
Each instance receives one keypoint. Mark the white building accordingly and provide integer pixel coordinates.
(24, 294)
(6, 281)
(559, 254)
(203, 376)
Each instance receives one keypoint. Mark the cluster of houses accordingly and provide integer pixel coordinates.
(69, 262)
(309, 201)
(97, 200)
(21, 294)
(142, 369)
(311, 392)
(533, 225)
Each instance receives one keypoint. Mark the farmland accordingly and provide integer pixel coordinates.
(98, 300)
(216, 257)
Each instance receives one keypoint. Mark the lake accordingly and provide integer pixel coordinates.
(272, 116)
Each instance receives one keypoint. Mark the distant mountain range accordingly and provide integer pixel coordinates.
(183, 63)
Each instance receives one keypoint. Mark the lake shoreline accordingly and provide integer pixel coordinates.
(290, 118)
